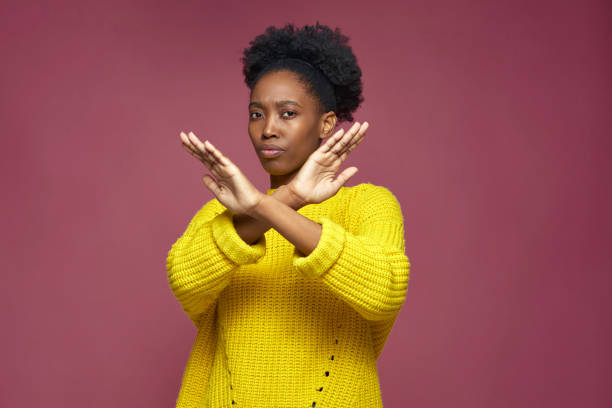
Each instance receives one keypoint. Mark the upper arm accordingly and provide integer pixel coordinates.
(207, 212)
(378, 212)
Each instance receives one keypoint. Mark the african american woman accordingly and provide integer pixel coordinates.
(293, 291)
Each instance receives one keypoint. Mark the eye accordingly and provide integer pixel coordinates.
(253, 113)
(291, 112)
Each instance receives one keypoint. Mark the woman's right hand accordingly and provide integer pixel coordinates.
(231, 186)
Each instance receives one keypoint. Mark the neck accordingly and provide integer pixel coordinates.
(280, 180)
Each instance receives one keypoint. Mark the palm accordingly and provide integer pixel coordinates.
(231, 186)
(316, 181)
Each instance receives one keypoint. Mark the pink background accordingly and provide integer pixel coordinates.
(490, 121)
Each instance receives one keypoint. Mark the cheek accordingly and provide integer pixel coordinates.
(252, 131)
(298, 156)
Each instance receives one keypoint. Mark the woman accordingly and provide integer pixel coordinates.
(293, 291)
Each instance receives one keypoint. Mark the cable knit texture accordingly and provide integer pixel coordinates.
(278, 329)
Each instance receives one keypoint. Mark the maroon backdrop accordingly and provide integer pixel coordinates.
(490, 121)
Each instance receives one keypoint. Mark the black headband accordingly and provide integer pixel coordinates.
(324, 88)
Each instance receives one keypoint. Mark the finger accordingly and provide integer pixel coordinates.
(217, 154)
(338, 139)
(197, 143)
(331, 141)
(358, 138)
(184, 138)
(221, 164)
(202, 148)
(214, 153)
(213, 165)
(207, 154)
(191, 149)
(187, 143)
(350, 149)
(345, 176)
(354, 143)
(203, 155)
(209, 165)
(191, 152)
(209, 158)
(343, 142)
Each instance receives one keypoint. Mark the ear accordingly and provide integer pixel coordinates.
(328, 124)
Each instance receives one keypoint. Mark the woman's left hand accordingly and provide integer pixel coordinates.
(231, 186)
(316, 181)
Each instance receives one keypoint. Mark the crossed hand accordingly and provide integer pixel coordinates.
(315, 182)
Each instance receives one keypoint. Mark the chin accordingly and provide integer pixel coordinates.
(276, 169)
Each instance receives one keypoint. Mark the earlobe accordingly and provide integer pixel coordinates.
(326, 132)
(323, 132)
(329, 123)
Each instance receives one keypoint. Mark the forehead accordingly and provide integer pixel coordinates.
(280, 85)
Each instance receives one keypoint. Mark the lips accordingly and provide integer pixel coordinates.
(270, 146)
(270, 150)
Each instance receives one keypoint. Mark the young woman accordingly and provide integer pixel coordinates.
(293, 291)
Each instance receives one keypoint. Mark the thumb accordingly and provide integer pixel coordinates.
(211, 184)
(345, 176)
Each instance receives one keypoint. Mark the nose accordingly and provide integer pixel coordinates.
(269, 129)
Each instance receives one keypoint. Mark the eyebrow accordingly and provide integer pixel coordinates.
(278, 104)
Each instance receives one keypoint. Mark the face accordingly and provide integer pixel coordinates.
(286, 117)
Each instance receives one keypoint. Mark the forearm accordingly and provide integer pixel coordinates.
(302, 232)
(251, 229)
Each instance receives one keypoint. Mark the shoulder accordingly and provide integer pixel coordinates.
(370, 192)
(371, 200)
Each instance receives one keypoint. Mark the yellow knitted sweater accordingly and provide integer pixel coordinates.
(277, 329)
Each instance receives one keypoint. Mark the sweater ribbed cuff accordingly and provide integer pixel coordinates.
(325, 254)
(229, 242)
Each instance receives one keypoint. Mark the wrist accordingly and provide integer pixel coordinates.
(287, 196)
(255, 207)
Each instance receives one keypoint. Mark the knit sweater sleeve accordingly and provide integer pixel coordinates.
(367, 268)
(199, 264)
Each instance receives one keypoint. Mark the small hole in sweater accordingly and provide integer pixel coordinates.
(327, 373)
(320, 389)
(332, 357)
(314, 403)
(233, 402)
(231, 388)
(336, 341)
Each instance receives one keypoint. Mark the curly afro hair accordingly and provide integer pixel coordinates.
(319, 55)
